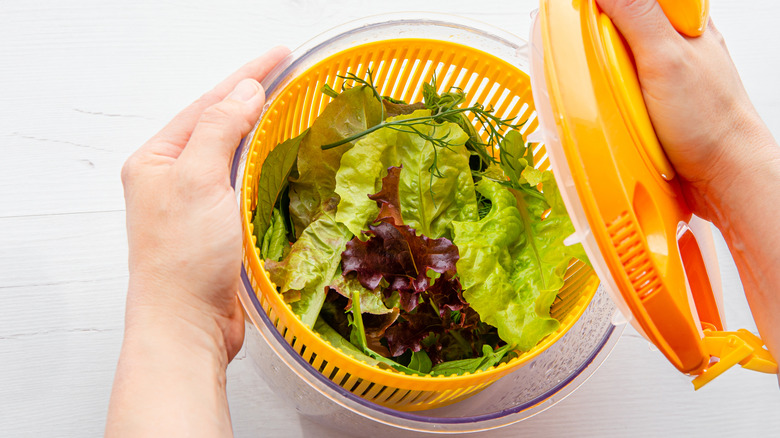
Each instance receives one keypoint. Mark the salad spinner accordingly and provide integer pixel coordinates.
(399, 68)
(587, 119)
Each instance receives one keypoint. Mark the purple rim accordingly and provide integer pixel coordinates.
(276, 78)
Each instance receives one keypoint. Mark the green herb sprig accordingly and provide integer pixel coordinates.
(444, 107)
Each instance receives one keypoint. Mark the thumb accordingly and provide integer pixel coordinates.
(222, 126)
(643, 24)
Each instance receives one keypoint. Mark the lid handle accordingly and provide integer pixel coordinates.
(689, 17)
(740, 347)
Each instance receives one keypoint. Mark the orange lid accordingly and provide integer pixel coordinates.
(652, 255)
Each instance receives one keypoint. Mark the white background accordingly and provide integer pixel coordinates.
(84, 83)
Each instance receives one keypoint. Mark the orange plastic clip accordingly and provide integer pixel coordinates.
(740, 347)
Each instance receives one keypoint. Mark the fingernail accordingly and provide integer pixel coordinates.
(245, 90)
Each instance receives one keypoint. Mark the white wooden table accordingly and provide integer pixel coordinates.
(83, 83)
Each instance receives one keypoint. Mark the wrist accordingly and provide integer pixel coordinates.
(751, 181)
(163, 315)
(747, 160)
(169, 369)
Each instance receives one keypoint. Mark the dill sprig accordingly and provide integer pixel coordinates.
(444, 107)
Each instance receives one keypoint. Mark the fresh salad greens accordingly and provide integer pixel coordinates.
(393, 232)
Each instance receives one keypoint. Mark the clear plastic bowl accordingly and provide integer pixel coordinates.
(544, 381)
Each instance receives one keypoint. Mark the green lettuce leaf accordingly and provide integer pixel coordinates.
(335, 339)
(512, 262)
(371, 301)
(429, 202)
(354, 110)
(272, 181)
(311, 265)
(488, 359)
(421, 362)
(275, 240)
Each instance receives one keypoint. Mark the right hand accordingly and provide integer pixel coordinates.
(697, 103)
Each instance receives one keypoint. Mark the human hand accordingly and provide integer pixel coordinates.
(697, 103)
(183, 225)
(183, 322)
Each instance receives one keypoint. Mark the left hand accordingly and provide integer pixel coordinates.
(183, 224)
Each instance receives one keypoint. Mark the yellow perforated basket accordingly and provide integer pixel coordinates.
(400, 66)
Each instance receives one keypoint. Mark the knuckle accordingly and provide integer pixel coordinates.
(671, 61)
(675, 59)
(206, 100)
(129, 170)
(636, 7)
(715, 33)
(218, 115)
(225, 121)
(194, 178)
(185, 178)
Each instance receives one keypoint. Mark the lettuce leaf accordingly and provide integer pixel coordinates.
(512, 261)
(429, 202)
(544, 258)
(272, 180)
(395, 254)
(311, 265)
(358, 338)
(397, 108)
(387, 199)
(354, 110)
(336, 340)
(275, 240)
(412, 329)
(488, 359)
(371, 301)
(421, 362)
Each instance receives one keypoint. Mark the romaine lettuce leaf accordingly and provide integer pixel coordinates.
(429, 202)
(311, 265)
(272, 181)
(354, 110)
(512, 262)
(275, 239)
(542, 262)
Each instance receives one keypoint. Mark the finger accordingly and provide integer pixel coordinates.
(221, 127)
(643, 24)
(177, 132)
